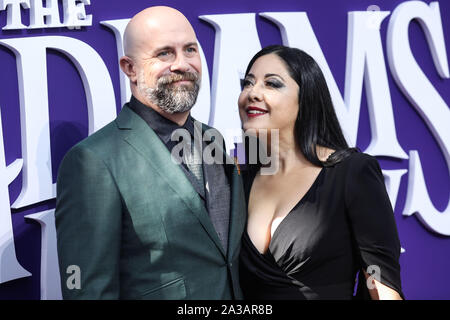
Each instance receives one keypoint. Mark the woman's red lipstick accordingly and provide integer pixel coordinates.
(253, 111)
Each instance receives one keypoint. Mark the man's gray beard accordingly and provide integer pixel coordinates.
(169, 98)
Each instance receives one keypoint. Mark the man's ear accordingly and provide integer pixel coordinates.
(127, 66)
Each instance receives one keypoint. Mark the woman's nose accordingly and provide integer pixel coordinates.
(255, 94)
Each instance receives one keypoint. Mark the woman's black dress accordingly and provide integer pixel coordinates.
(343, 224)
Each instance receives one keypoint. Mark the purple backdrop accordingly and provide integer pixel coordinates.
(426, 260)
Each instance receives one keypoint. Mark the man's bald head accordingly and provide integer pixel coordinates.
(162, 61)
(150, 22)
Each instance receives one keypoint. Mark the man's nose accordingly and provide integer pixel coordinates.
(180, 64)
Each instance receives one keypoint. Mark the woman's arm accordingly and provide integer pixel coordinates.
(373, 226)
(379, 291)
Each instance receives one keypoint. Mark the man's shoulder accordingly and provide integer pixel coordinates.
(99, 142)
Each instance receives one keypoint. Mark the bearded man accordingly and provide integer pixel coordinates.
(133, 222)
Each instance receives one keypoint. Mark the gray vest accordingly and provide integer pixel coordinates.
(215, 194)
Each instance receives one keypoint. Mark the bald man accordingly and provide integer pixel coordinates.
(131, 222)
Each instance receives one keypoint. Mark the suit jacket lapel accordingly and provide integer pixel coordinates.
(145, 141)
(238, 203)
(237, 213)
(191, 179)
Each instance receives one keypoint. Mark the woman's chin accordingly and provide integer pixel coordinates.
(256, 132)
(253, 126)
(251, 130)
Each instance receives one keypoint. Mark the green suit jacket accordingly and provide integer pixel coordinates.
(128, 217)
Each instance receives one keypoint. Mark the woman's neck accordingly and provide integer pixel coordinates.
(287, 155)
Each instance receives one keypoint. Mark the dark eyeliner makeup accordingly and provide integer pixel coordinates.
(275, 83)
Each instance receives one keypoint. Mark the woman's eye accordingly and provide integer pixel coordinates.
(245, 83)
(274, 84)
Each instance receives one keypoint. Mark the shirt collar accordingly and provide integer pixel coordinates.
(162, 126)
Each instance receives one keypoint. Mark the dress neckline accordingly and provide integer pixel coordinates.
(300, 202)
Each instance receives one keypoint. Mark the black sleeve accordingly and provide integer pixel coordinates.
(372, 220)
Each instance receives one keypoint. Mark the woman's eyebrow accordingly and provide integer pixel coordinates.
(267, 75)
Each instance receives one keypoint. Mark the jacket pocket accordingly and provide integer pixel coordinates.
(172, 290)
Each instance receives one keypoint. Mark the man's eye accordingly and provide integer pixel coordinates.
(191, 50)
(163, 54)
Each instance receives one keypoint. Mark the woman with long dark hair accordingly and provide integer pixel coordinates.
(324, 216)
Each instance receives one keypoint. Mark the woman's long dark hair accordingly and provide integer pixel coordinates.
(316, 123)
